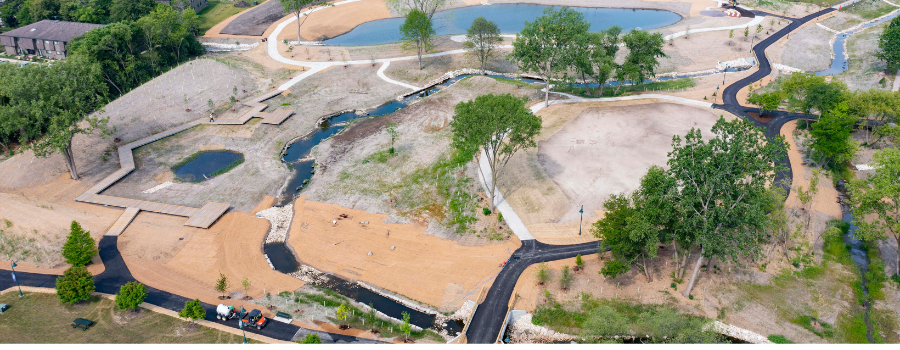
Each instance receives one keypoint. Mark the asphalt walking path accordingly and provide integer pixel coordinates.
(116, 274)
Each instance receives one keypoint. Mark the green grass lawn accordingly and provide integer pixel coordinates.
(41, 318)
(217, 11)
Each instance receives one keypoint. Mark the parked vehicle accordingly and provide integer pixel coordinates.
(225, 312)
(255, 318)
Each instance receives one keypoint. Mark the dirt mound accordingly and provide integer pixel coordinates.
(242, 4)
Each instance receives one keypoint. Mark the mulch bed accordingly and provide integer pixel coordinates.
(765, 118)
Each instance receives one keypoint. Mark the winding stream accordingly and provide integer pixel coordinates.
(860, 258)
(840, 62)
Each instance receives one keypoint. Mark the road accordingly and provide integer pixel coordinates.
(116, 274)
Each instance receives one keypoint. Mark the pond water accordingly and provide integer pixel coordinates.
(510, 18)
(206, 165)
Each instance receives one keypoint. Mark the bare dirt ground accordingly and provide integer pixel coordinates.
(826, 200)
(262, 173)
(866, 70)
(331, 22)
(399, 257)
(255, 21)
(591, 152)
(352, 174)
(809, 49)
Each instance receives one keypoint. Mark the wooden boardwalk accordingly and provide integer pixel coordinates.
(202, 217)
(275, 117)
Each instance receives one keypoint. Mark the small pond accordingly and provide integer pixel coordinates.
(204, 165)
(510, 18)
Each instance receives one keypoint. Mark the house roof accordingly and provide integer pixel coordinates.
(52, 30)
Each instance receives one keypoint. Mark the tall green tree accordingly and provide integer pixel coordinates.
(832, 143)
(418, 33)
(76, 284)
(79, 248)
(131, 295)
(768, 101)
(498, 125)
(596, 56)
(889, 45)
(547, 44)
(76, 91)
(298, 7)
(635, 224)
(723, 189)
(875, 109)
(44, 9)
(643, 50)
(482, 40)
(875, 202)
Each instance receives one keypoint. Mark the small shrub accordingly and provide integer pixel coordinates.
(131, 295)
(311, 338)
(76, 284)
(79, 247)
(779, 339)
(674, 286)
(486, 211)
(193, 310)
(691, 296)
(578, 260)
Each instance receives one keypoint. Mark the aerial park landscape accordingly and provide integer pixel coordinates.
(437, 171)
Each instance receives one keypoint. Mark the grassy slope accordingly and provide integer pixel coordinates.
(41, 318)
(217, 11)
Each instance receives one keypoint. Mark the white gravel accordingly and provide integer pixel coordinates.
(739, 333)
(159, 187)
(280, 219)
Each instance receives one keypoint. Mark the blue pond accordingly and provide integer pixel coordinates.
(510, 18)
(206, 165)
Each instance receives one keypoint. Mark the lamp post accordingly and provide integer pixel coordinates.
(716, 96)
(581, 220)
(15, 279)
(241, 324)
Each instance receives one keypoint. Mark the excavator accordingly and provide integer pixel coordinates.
(733, 3)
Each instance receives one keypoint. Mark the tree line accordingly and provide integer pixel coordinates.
(17, 13)
(42, 107)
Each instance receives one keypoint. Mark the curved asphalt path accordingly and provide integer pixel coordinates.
(116, 274)
(489, 316)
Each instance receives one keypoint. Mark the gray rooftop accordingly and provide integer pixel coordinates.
(52, 30)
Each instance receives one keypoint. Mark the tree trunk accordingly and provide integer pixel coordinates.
(647, 271)
(587, 90)
(419, 53)
(493, 187)
(709, 264)
(687, 290)
(547, 93)
(897, 249)
(70, 160)
(298, 28)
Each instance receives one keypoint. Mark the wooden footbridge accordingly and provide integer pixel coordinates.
(202, 217)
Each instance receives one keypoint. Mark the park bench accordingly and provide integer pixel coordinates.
(283, 317)
(82, 323)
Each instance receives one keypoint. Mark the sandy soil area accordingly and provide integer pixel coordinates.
(163, 253)
(598, 151)
(334, 21)
(398, 257)
(826, 200)
(262, 173)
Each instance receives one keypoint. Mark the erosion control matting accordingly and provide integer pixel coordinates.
(257, 20)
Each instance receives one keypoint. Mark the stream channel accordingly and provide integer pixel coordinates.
(840, 64)
(859, 256)
(297, 155)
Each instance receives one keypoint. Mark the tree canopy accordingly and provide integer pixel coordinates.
(131, 295)
(76, 284)
(500, 125)
(832, 142)
(193, 310)
(418, 33)
(79, 248)
(547, 44)
(875, 202)
(482, 40)
(889, 45)
(643, 50)
(297, 7)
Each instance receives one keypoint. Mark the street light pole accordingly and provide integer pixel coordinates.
(16, 279)
(241, 324)
(581, 220)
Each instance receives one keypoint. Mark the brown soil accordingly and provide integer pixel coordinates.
(419, 267)
(337, 20)
(765, 118)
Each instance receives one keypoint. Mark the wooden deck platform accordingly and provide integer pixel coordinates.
(119, 226)
(275, 117)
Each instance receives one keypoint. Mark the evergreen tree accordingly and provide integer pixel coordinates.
(79, 247)
(76, 284)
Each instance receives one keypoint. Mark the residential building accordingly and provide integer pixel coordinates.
(47, 38)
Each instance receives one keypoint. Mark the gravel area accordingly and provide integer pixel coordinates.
(809, 49)
(522, 331)
(256, 21)
(280, 219)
